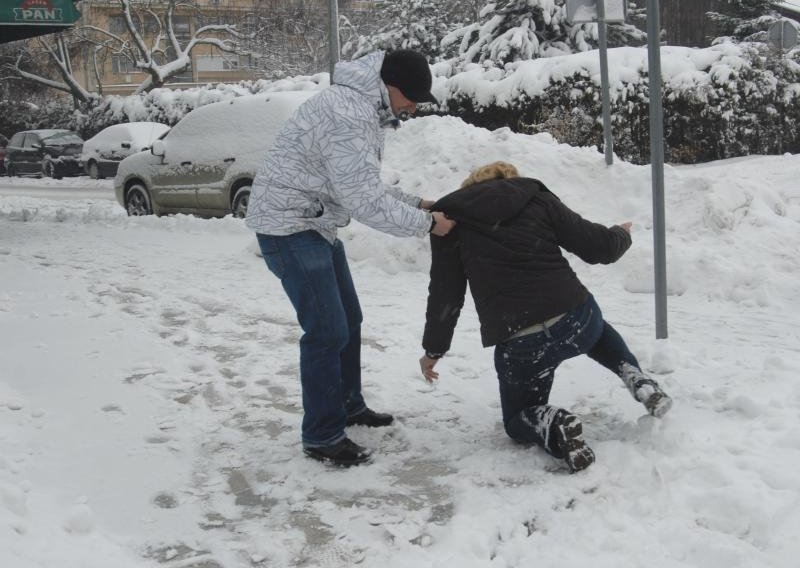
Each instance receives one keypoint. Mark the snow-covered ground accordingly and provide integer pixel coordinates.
(150, 411)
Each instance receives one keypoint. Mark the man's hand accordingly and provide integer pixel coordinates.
(626, 226)
(443, 225)
(426, 364)
(426, 204)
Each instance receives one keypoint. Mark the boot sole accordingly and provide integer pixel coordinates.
(337, 462)
(658, 404)
(577, 454)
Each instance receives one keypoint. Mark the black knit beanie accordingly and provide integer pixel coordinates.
(409, 72)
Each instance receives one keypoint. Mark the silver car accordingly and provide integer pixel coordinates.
(206, 163)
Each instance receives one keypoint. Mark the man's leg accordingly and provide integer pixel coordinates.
(304, 263)
(350, 359)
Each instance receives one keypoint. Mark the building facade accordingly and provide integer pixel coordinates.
(112, 70)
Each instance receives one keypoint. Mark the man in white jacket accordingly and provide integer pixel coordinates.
(323, 169)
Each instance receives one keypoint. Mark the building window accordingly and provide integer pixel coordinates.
(117, 25)
(182, 27)
(122, 65)
(216, 63)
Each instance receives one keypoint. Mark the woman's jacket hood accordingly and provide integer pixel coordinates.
(490, 202)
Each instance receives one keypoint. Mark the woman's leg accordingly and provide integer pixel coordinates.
(525, 369)
(612, 352)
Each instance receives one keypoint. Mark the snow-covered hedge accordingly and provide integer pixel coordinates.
(723, 101)
(169, 106)
(163, 105)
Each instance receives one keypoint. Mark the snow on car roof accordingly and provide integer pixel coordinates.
(138, 134)
(244, 126)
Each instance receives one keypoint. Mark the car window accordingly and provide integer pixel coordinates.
(64, 138)
(30, 140)
(16, 140)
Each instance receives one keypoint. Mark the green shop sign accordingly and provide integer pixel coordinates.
(20, 19)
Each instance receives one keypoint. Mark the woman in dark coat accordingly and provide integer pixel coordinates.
(531, 306)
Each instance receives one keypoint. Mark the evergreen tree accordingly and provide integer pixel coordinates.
(410, 24)
(743, 20)
(513, 30)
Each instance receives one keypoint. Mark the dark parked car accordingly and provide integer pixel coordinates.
(3, 144)
(54, 153)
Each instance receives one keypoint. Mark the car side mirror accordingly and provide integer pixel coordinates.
(126, 145)
(157, 149)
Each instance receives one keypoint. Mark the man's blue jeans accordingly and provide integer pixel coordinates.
(526, 365)
(316, 277)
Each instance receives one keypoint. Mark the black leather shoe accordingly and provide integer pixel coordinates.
(344, 453)
(370, 418)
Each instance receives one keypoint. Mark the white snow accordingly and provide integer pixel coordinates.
(682, 68)
(150, 409)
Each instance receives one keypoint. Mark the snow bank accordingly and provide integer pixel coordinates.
(150, 405)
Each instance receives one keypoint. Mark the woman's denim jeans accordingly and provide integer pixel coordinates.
(316, 277)
(526, 365)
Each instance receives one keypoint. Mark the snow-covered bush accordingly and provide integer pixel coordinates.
(723, 101)
(168, 106)
(17, 115)
(719, 102)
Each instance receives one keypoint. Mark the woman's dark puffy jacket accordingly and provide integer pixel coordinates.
(507, 244)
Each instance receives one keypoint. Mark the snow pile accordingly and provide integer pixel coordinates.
(150, 404)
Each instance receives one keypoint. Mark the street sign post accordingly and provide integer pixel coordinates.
(586, 11)
(333, 36)
(657, 165)
(782, 35)
(602, 12)
(613, 11)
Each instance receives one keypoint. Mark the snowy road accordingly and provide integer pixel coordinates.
(63, 189)
(150, 408)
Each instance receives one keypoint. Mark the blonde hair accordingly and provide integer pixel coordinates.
(495, 170)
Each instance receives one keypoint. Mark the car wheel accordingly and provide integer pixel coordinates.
(240, 201)
(137, 201)
(50, 170)
(94, 171)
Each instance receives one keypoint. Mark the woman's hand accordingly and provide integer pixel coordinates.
(426, 204)
(426, 364)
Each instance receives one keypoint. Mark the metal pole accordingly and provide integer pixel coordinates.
(333, 36)
(657, 164)
(607, 135)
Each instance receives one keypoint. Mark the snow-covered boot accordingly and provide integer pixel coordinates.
(646, 390)
(566, 441)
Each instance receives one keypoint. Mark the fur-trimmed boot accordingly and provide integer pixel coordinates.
(563, 437)
(645, 390)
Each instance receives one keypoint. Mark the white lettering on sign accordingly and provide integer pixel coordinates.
(37, 15)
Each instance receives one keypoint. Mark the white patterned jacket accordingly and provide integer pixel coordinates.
(324, 165)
